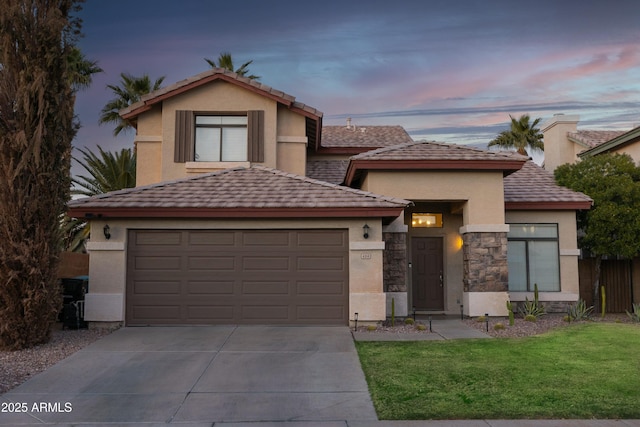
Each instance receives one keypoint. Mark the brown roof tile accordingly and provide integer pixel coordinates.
(593, 138)
(327, 170)
(206, 77)
(363, 136)
(255, 191)
(535, 188)
(437, 151)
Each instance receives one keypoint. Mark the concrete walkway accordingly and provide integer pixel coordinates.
(443, 329)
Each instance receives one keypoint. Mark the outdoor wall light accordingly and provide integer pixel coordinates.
(107, 232)
(365, 229)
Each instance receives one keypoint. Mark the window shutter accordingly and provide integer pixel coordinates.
(184, 144)
(255, 135)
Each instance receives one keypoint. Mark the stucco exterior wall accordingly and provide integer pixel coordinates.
(284, 132)
(482, 193)
(105, 301)
(558, 150)
(631, 149)
(569, 252)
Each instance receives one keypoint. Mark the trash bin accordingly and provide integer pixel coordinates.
(73, 291)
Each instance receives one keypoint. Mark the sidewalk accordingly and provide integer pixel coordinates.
(449, 328)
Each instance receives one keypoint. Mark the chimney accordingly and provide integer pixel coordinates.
(558, 149)
(349, 123)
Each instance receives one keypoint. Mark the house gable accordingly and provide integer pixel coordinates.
(168, 127)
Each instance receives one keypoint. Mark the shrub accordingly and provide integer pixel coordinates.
(480, 319)
(580, 311)
(371, 328)
(421, 327)
(530, 318)
(408, 321)
(498, 326)
(635, 314)
(511, 315)
(532, 308)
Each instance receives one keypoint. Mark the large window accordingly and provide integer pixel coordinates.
(221, 139)
(533, 257)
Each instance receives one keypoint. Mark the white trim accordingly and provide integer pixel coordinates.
(293, 139)
(105, 246)
(148, 138)
(366, 246)
(569, 252)
(484, 228)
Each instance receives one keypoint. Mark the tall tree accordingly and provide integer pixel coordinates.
(36, 129)
(226, 61)
(612, 226)
(81, 69)
(522, 135)
(129, 91)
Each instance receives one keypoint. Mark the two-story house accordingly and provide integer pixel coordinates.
(248, 210)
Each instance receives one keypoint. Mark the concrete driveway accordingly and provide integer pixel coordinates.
(200, 375)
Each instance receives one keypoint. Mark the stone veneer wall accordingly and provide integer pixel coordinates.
(395, 262)
(485, 262)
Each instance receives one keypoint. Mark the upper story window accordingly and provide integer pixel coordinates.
(533, 257)
(219, 137)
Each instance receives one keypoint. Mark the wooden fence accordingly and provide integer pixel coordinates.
(615, 276)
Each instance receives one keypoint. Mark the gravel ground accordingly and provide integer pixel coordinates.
(17, 367)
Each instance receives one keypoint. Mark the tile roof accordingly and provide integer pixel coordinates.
(363, 136)
(327, 170)
(593, 138)
(436, 151)
(211, 75)
(535, 188)
(254, 190)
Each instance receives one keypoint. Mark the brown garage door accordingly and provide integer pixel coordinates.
(237, 276)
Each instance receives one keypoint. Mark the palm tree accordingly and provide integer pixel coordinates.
(521, 136)
(80, 69)
(225, 61)
(107, 172)
(130, 91)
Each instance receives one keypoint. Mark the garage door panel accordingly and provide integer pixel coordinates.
(320, 288)
(265, 288)
(212, 238)
(156, 263)
(238, 276)
(210, 287)
(321, 240)
(158, 238)
(328, 263)
(157, 287)
(265, 263)
(211, 263)
(210, 312)
(274, 238)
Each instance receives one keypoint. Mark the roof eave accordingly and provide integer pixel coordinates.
(632, 136)
(506, 166)
(547, 206)
(220, 213)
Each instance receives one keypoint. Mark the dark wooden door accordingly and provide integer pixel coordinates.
(427, 273)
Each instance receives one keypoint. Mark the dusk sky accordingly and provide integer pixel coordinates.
(450, 71)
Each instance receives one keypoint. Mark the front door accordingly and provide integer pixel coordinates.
(427, 273)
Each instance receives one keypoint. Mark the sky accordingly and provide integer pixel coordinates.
(449, 71)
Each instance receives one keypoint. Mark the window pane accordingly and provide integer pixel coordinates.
(221, 120)
(533, 230)
(544, 267)
(234, 144)
(517, 263)
(207, 145)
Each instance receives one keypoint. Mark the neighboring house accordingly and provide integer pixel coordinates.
(565, 143)
(248, 210)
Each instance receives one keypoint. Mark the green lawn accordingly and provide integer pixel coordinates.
(582, 371)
